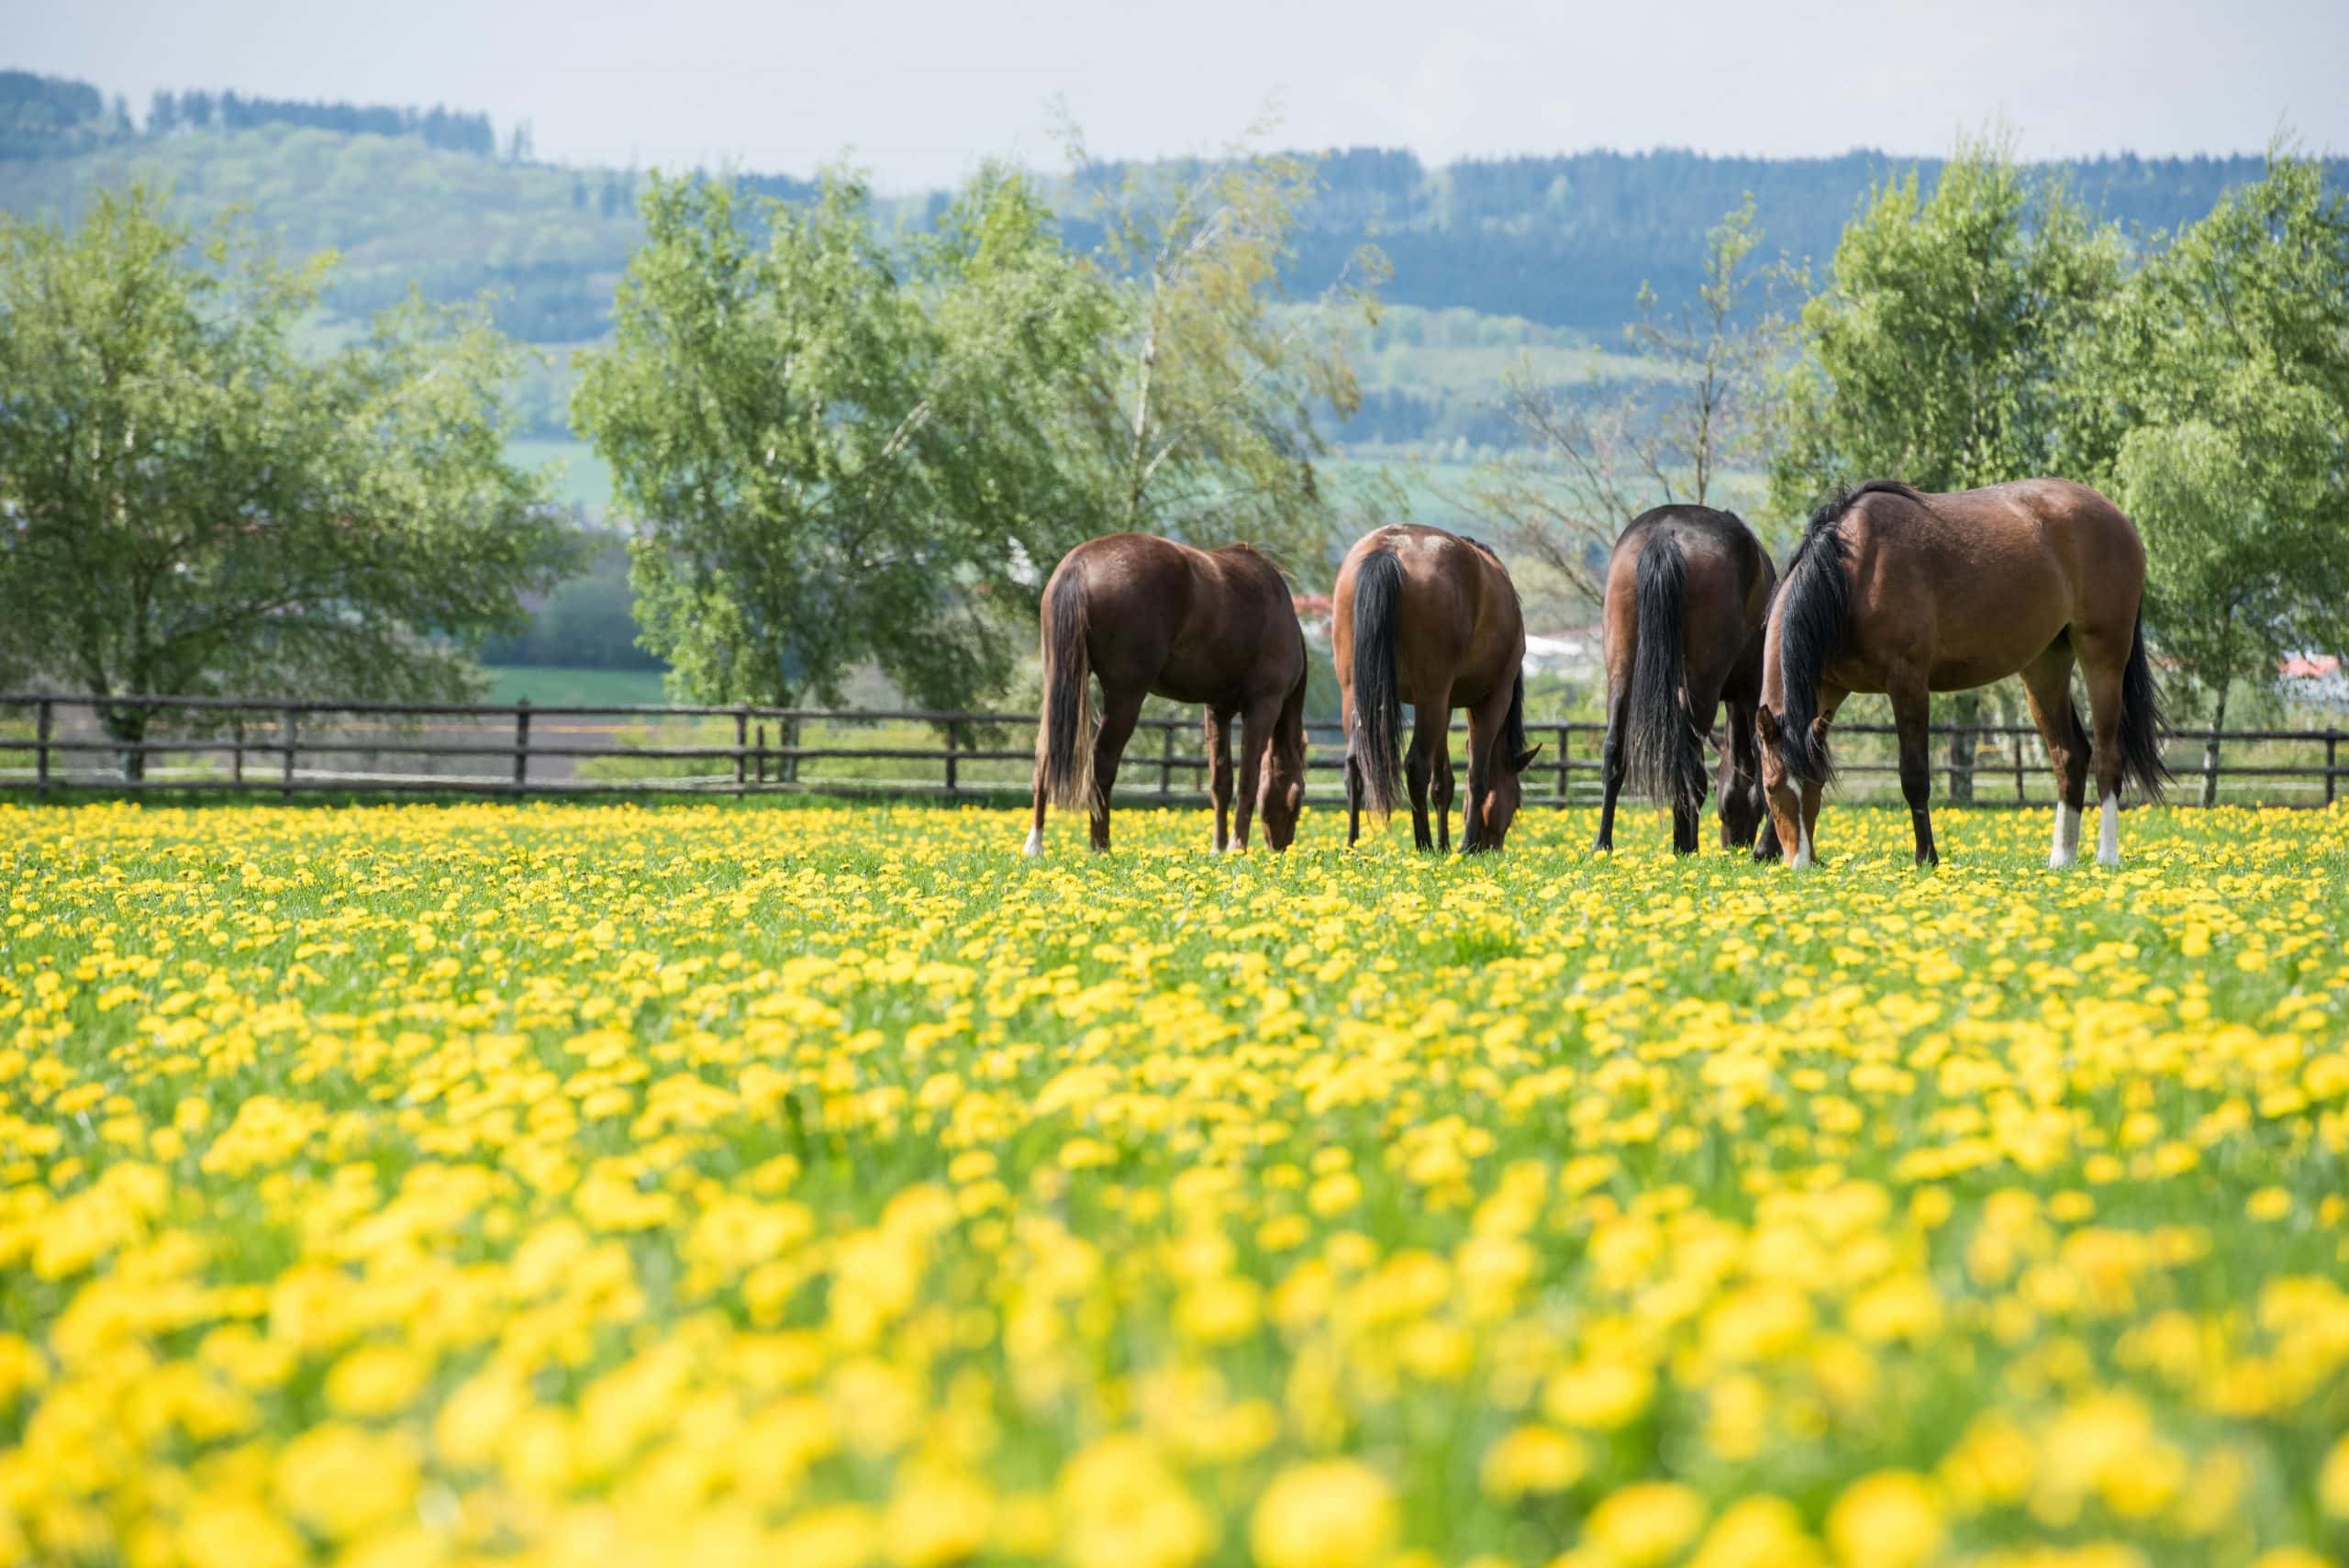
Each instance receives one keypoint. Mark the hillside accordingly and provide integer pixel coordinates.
(1562, 242)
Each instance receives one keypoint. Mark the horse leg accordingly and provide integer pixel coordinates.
(1688, 821)
(1619, 718)
(1118, 716)
(1913, 717)
(2047, 683)
(2102, 661)
(1255, 740)
(1035, 845)
(1430, 717)
(1219, 777)
(1442, 791)
(1745, 768)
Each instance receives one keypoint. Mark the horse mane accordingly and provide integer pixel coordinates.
(1815, 599)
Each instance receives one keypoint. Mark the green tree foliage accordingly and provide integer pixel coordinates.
(1207, 396)
(1934, 356)
(188, 505)
(2212, 400)
(838, 452)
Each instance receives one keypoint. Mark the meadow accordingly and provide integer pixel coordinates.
(828, 1186)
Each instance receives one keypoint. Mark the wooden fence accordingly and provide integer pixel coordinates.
(55, 743)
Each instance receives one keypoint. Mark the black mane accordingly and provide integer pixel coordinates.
(1815, 608)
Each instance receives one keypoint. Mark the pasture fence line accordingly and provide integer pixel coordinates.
(56, 743)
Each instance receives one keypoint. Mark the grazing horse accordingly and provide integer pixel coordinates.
(1430, 619)
(1687, 591)
(1217, 628)
(1905, 594)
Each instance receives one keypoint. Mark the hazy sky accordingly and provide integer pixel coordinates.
(918, 91)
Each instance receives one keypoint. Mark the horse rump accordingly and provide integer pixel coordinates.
(1662, 754)
(1379, 703)
(1065, 739)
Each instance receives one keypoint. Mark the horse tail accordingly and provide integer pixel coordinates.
(1662, 754)
(2143, 729)
(1379, 706)
(1064, 736)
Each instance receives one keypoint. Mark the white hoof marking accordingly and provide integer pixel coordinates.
(1035, 844)
(2108, 831)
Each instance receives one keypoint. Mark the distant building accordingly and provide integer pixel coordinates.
(1575, 652)
(2315, 679)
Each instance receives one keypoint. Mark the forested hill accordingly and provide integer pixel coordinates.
(436, 198)
(1567, 241)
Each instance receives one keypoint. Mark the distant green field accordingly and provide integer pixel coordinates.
(546, 687)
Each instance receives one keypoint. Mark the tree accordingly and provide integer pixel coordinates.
(1937, 354)
(1205, 394)
(2214, 401)
(188, 506)
(838, 451)
(1582, 471)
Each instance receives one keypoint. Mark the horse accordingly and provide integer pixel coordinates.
(1149, 616)
(1688, 592)
(1907, 594)
(1430, 619)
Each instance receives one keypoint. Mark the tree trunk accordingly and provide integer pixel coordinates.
(1964, 711)
(2210, 746)
(126, 728)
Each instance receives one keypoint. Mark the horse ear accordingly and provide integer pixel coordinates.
(1818, 729)
(1765, 724)
(1524, 759)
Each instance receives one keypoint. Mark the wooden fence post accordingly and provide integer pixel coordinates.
(741, 749)
(237, 751)
(522, 744)
(1564, 731)
(42, 722)
(285, 764)
(786, 732)
(954, 782)
(2016, 739)
(1166, 765)
(2210, 769)
(2332, 761)
(762, 769)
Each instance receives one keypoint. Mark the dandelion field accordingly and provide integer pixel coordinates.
(826, 1187)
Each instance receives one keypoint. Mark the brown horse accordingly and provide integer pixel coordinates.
(1687, 591)
(1429, 619)
(1217, 628)
(1905, 594)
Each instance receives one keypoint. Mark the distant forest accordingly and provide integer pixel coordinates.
(1563, 241)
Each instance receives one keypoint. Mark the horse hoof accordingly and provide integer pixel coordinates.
(1034, 846)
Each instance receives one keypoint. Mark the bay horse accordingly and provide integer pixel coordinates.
(1687, 593)
(1149, 616)
(1907, 594)
(1430, 619)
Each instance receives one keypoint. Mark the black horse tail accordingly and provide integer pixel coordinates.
(1661, 753)
(1378, 706)
(1064, 736)
(2143, 729)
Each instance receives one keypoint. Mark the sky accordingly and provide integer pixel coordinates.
(919, 92)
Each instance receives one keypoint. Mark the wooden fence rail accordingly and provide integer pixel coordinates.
(53, 743)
